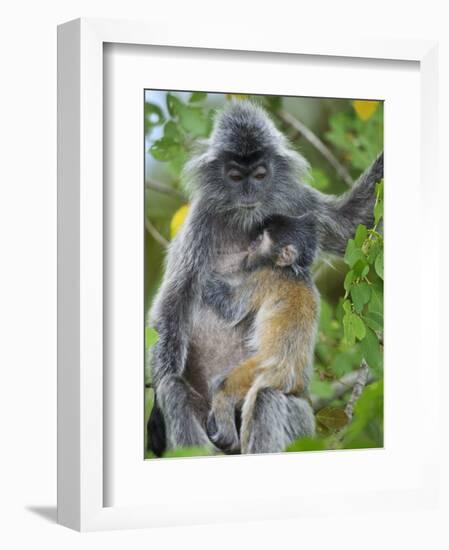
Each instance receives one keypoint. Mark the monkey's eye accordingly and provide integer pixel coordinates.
(260, 173)
(235, 175)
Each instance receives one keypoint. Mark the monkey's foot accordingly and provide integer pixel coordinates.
(222, 431)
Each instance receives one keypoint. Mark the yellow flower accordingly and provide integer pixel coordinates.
(178, 219)
(364, 108)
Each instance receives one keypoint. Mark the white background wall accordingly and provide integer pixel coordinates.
(28, 267)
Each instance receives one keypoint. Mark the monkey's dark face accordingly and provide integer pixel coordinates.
(247, 179)
(247, 171)
(247, 186)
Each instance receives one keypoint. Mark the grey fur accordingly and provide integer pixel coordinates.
(195, 345)
(278, 420)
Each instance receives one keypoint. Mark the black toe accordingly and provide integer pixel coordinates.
(211, 426)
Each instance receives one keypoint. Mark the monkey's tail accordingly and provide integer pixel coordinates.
(262, 382)
(248, 408)
(284, 378)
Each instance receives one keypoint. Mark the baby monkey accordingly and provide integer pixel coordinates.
(276, 289)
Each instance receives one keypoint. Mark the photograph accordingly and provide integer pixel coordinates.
(263, 275)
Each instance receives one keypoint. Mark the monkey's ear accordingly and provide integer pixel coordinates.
(288, 255)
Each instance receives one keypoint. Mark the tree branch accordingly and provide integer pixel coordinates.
(340, 387)
(155, 233)
(360, 383)
(314, 140)
(165, 189)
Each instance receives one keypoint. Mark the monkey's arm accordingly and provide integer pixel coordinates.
(338, 217)
(171, 316)
(230, 304)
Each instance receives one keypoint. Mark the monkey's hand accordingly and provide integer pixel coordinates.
(231, 391)
(221, 423)
(218, 294)
(216, 291)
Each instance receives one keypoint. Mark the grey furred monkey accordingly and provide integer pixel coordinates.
(278, 291)
(242, 175)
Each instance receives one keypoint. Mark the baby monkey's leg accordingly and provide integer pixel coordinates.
(221, 424)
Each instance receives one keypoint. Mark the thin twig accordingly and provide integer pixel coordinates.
(360, 383)
(165, 189)
(339, 388)
(155, 233)
(314, 140)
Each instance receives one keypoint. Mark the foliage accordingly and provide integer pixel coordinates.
(351, 320)
(357, 138)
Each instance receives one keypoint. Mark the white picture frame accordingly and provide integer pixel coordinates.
(82, 491)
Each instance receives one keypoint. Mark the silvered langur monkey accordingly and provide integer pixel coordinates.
(242, 175)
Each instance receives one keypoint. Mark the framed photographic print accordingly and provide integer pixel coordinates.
(232, 296)
(275, 334)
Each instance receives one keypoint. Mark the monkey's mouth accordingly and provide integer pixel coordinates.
(249, 205)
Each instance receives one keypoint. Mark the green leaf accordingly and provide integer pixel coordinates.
(379, 264)
(153, 116)
(379, 206)
(348, 327)
(332, 418)
(174, 105)
(353, 253)
(376, 303)
(172, 132)
(371, 350)
(359, 327)
(373, 250)
(348, 280)
(192, 119)
(360, 295)
(360, 235)
(380, 189)
(195, 121)
(197, 96)
(354, 328)
(361, 268)
(165, 149)
(378, 212)
(374, 320)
